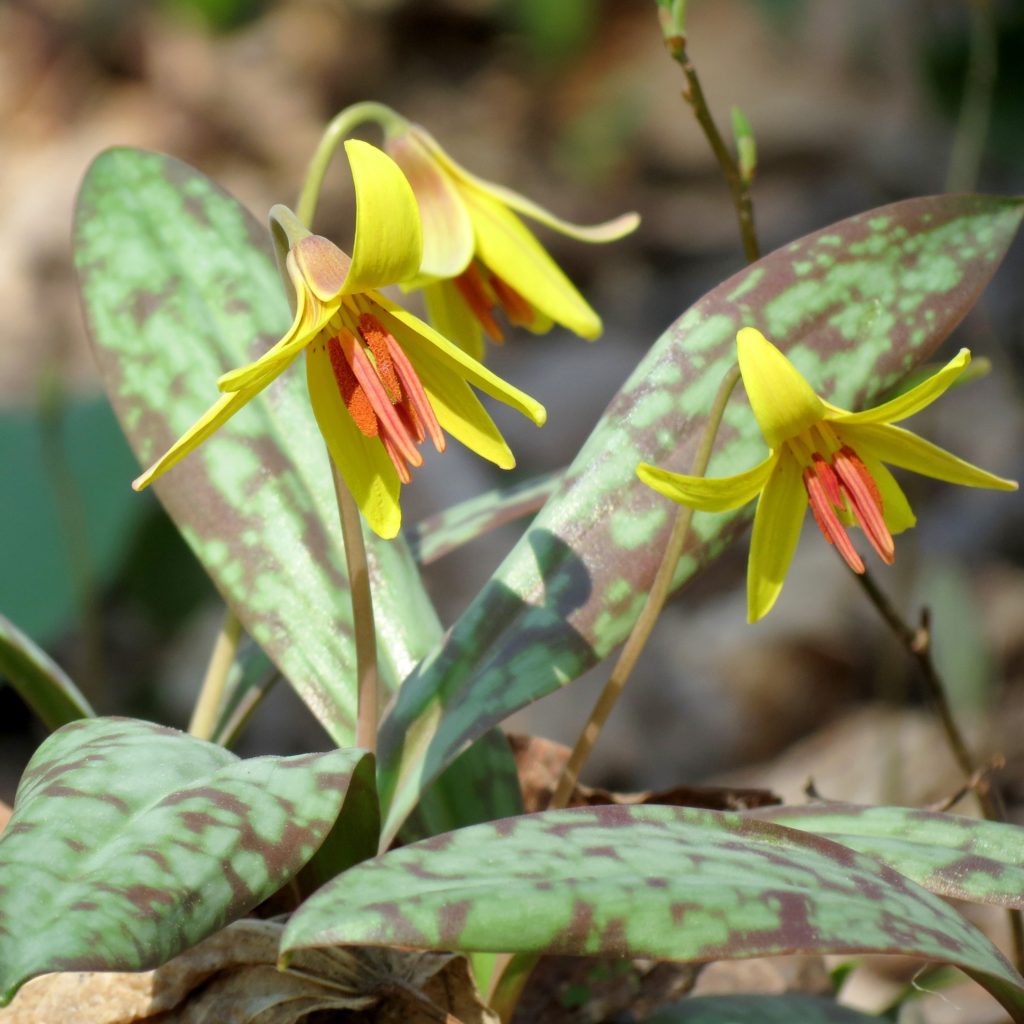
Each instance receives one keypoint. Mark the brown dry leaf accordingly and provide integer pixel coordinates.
(540, 763)
(232, 978)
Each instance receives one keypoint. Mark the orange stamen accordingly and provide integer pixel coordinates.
(865, 502)
(352, 394)
(516, 308)
(376, 337)
(472, 288)
(829, 480)
(827, 520)
(400, 444)
(422, 412)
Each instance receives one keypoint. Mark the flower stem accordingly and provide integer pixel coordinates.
(738, 185)
(656, 598)
(362, 614)
(335, 132)
(917, 643)
(204, 716)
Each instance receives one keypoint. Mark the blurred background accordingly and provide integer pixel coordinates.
(575, 103)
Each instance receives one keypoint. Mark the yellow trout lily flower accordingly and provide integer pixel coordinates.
(824, 457)
(380, 380)
(479, 257)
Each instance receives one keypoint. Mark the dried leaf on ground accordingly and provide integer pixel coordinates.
(540, 763)
(232, 978)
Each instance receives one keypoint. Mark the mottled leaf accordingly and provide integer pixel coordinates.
(130, 842)
(179, 285)
(791, 1008)
(481, 784)
(855, 305)
(658, 882)
(39, 680)
(441, 534)
(955, 856)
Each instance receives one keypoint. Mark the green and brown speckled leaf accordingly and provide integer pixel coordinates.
(41, 683)
(130, 842)
(656, 882)
(179, 285)
(855, 305)
(790, 1008)
(952, 855)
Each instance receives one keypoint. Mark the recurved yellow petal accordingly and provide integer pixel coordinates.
(777, 524)
(453, 319)
(363, 463)
(388, 244)
(902, 448)
(784, 403)
(424, 345)
(447, 229)
(708, 494)
(460, 413)
(609, 231)
(216, 416)
(911, 401)
(310, 316)
(509, 248)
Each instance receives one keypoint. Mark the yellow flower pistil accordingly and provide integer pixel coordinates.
(479, 258)
(823, 457)
(381, 382)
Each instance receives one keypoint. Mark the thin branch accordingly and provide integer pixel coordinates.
(211, 695)
(693, 93)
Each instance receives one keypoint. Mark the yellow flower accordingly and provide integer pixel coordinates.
(380, 380)
(823, 456)
(479, 257)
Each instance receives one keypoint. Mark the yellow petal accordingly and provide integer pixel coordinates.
(609, 231)
(911, 401)
(453, 319)
(784, 403)
(447, 229)
(311, 316)
(388, 243)
(216, 416)
(362, 461)
(901, 448)
(507, 247)
(895, 508)
(708, 494)
(777, 524)
(424, 345)
(460, 413)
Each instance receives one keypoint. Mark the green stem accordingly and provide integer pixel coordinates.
(207, 709)
(656, 598)
(336, 131)
(362, 613)
(917, 643)
(738, 185)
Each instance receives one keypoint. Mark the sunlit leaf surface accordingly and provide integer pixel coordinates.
(130, 842)
(962, 858)
(657, 882)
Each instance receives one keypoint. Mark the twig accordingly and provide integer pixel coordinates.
(917, 643)
(738, 185)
